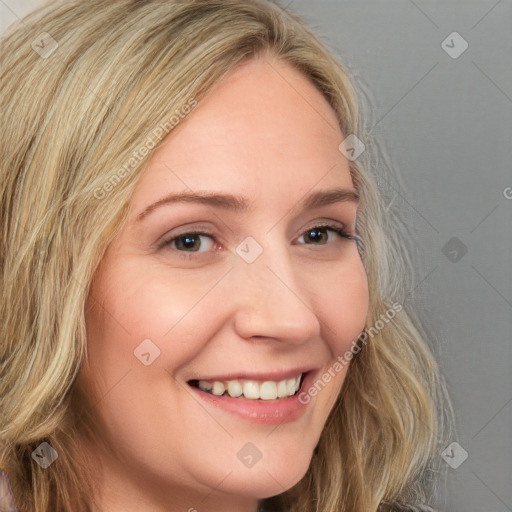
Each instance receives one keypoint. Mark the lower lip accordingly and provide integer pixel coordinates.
(270, 412)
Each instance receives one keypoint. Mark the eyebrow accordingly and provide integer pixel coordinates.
(241, 204)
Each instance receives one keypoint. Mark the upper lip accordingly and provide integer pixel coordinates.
(276, 375)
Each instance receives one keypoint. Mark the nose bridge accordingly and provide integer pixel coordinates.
(270, 300)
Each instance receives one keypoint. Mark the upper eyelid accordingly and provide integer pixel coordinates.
(328, 224)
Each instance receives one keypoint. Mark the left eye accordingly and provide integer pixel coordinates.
(319, 234)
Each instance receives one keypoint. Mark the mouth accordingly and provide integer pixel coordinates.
(251, 389)
(258, 398)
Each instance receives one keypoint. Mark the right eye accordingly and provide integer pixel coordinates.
(189, 242)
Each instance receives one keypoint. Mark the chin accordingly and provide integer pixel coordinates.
(262, 482)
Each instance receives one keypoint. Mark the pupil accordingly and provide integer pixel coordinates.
(188, 242)
(317, 235)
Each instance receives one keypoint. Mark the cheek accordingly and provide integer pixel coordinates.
(133, 399)
(146, 306)
(343, 300)
(342, 303)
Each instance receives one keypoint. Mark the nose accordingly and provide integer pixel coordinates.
(270, 301)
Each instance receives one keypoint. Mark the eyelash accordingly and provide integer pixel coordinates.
(193, 254)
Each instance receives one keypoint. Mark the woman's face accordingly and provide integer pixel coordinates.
(207, 290)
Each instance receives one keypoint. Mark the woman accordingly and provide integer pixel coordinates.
(193, 318)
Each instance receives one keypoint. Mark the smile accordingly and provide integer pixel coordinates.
(251, 389)
(260, 400)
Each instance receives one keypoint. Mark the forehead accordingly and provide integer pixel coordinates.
(262, 130)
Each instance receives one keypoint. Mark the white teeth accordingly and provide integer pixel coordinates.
(268, 390)
(234, 388)
(218, 388)
(282, 389)
(253, 390)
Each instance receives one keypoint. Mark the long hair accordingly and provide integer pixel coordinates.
(84, 85)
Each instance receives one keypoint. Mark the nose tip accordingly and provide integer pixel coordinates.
(271, 305)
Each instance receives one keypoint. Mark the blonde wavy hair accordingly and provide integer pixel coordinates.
(72, 117)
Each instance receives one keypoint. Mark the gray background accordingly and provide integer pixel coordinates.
(443, 129)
